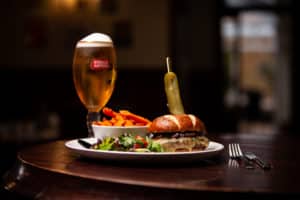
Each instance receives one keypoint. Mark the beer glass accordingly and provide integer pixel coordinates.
(94, 74)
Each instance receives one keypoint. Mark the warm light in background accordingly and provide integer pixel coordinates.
(56, 5)
(73, 5)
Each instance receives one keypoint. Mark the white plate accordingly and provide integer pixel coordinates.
(213, 149)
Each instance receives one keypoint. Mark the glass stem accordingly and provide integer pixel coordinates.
(90, 118)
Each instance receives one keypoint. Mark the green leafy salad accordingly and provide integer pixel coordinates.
(127, 142)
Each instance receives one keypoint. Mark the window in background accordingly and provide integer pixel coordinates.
(251, 50)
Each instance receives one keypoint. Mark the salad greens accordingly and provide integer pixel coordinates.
(106, 144)
(128, 142)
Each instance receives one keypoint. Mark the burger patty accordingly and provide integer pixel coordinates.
(175, 134)
(187, 144)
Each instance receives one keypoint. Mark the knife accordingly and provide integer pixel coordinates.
(252, 157)
(84, 143)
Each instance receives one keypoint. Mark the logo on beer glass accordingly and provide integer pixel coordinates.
(98, 64)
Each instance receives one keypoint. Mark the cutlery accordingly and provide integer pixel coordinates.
(252, 157)
(84, 143)
(235, 153)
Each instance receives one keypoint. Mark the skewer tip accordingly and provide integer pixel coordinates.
(168, 60)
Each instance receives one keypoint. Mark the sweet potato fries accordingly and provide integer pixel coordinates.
(121, 118)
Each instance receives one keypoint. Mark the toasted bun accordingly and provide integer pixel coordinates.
(177, 123)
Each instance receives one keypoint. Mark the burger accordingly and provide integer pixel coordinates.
(180, 132)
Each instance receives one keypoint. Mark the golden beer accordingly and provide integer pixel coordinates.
(94, 71)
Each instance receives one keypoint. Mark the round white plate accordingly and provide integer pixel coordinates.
(213, 149)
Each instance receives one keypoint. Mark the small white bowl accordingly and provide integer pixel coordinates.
(102, 132)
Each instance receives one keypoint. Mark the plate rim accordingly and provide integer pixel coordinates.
(84, 151)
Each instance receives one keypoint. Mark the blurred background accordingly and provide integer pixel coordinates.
(236, 60)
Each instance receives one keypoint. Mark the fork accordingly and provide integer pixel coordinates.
(235, 153)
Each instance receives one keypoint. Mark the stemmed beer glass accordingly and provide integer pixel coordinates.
(94, 73)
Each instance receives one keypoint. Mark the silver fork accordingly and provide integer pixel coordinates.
(235, 153)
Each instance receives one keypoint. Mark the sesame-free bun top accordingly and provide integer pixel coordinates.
(177, 123)
(95, 40)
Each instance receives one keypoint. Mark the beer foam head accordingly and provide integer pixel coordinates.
(95, 40)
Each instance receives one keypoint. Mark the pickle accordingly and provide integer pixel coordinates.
(172, 91)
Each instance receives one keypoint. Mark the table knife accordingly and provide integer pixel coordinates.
(84, 143)
(251, 156)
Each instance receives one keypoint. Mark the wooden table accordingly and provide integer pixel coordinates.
(50, 171)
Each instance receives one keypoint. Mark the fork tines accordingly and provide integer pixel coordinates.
(236, 154)
(235, 151)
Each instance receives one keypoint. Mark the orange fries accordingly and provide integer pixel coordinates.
(121, 118)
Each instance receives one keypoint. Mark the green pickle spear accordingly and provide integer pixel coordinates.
(172, 91)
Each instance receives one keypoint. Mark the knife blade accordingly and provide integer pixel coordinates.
(251, 156)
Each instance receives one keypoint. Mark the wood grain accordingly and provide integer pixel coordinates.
(52, 170)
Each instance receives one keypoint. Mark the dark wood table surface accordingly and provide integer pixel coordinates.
(51, 171)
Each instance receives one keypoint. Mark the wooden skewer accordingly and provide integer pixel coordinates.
(168, 60)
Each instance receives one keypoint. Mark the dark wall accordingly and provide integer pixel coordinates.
(28, 93)
(294, 126)
(196, 49)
